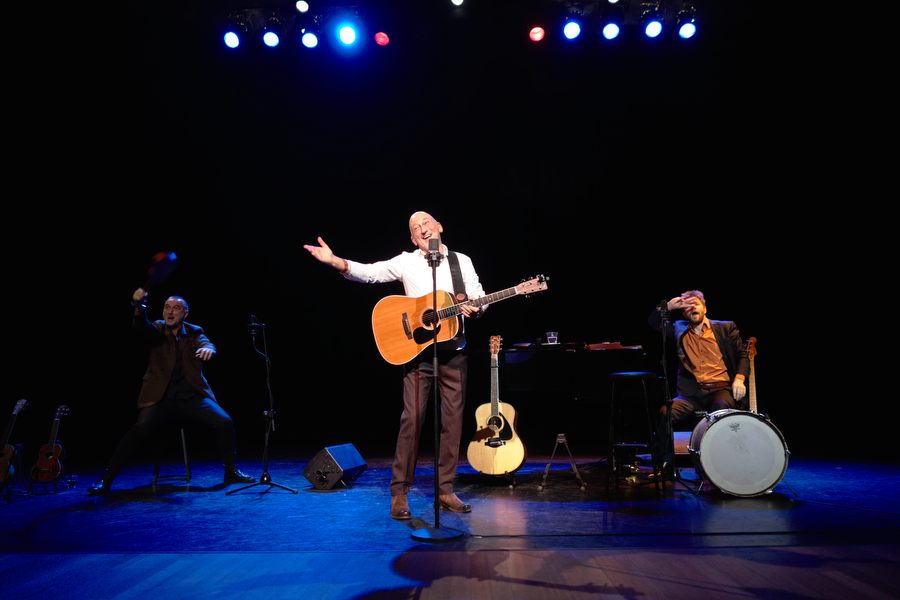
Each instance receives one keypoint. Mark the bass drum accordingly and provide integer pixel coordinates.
(739, 452)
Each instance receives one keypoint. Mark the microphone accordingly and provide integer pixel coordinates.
(433, 256)
(663, 305)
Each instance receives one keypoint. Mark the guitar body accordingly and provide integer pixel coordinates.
(404, 326)
(495, 448)
(48, 466)
(399, 325)
(488, 456)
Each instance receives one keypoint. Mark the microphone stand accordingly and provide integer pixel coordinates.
(435, 534)
(264, 479)
(670, 429)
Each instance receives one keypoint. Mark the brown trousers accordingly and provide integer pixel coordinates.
(417, 392)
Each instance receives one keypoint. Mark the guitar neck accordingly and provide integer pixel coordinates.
(54, 431)
(495, 386)
(453, 311)
(752, 393)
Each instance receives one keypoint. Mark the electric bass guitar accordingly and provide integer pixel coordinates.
(404, 326)
(496, 448)
(7, 471)
(49, 466)
(751, 353)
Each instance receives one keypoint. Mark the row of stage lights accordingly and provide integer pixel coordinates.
(345, 29)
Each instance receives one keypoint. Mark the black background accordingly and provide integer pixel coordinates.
(626, 174)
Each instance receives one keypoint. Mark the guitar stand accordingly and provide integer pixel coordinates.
(561, 439)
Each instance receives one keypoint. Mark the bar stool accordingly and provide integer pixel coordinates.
(624, 377)
(186, 476)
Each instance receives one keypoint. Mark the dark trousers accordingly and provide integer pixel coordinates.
(684, 417)
(152, 418)
(417, 392)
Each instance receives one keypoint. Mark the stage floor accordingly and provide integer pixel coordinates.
(829, 529)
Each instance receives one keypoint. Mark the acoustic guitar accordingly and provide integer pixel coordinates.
(751, 354)
(48, 466)
(495, 448)
(7, 471)
(404, 326)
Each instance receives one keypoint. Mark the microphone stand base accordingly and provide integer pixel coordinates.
(435, 534)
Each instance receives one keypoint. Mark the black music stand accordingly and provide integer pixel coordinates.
(436, 533)
(264, 479)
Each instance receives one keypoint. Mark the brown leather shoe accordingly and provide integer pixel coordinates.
(452, 503)
(400, 508)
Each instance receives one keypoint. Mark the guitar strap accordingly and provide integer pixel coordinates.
(459, 290)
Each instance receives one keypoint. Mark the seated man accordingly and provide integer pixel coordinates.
(174, 387)
(713, 363)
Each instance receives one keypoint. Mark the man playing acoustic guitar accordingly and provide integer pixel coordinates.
(413, 270)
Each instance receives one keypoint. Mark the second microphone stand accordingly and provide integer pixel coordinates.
(435, 534)
(667, 468)
(264, 479)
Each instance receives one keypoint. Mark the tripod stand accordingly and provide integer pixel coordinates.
(667, 468)
(435, 534)
(264, 479)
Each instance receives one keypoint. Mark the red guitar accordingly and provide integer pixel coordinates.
(6, 468)
(48, 466)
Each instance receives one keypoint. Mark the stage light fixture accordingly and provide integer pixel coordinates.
(612, 21)
(457, 2)
(236, 31)
(686, 22)
(382, 39)
(652, 21)
(309, 38)
(272, 31)
(537, 33)
(302, 6)
(572, 27)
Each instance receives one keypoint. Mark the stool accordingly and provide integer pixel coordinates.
(614, 443)
(186, 476)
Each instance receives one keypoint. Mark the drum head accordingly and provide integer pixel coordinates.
(741, 453)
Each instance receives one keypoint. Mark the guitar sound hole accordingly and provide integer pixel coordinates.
(428, 317)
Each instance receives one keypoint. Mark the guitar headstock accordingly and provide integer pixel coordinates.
(496, 341)
(20, 406)
(533, 285)
(751, 348)
(61, 411)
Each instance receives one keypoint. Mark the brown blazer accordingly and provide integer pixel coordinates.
(161, 362)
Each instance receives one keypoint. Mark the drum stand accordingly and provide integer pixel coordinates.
(667, 470)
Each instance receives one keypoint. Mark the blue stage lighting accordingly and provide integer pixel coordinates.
(652, 22)
(309, 39)
(572, 29)
(347, 34)
(236, 31)
(272, 31)
(686, 23)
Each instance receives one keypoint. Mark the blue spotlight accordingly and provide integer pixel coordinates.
(236, 31)
(652, 22)
(272, 31)
(686, 24)
(347, 34)
(611, 31)
(611, 23)
(309, 39)
(572, 29)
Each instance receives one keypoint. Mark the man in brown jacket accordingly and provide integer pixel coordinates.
(174, 387)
